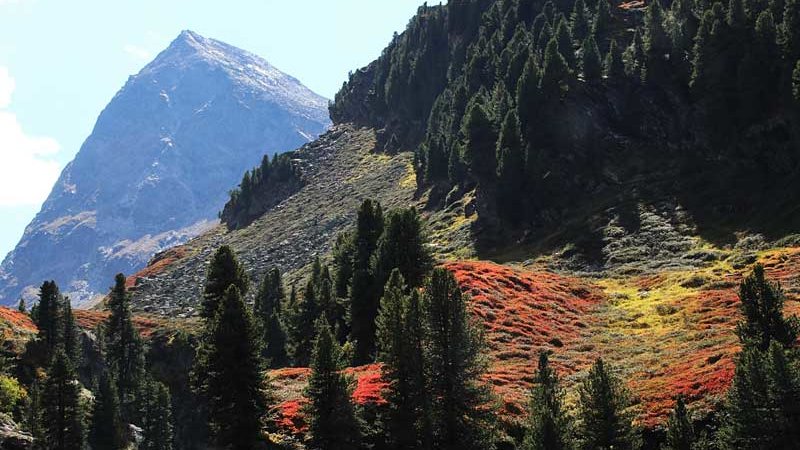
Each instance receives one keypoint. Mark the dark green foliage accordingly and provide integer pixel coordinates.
(224, 271)
(157, 430)
(479, 139)
(364, 293)
(555, 73)
(590, 61)
(71, 336)
(614, 66)
(657, 43)
(528, 97)
(634, 56)
(789, 32)
(124, 352)
(761, 304)
(332, 424)
(230, 374)
(459, 412)
(579, 21)
(267, 314)
(565, 43)
(548, 426)
(680, 431)
(400, 349)
(63, 412)
(762, 407)
(107, 431)
(796, 81)
(510, 169)
(605, 420)
(302, 314)
(402, 246)
(260, 189)
(48, 318)
(601, 26)
(343, 254)
(22, 307)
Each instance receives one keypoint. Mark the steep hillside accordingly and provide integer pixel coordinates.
(157, 167)
(338, 170)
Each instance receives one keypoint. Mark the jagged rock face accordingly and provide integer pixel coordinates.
(158, 165)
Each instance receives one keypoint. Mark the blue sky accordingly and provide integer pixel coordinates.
(62, 61)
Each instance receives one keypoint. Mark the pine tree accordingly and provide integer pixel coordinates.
(603, 411)
(231, 376)
(223, 272)
(63, 413)
(364, 294)
(528, 98)
(579, 22)
(555, 73)
(460, 418)
(601, 26)
(125, 351)
(590, 61)
(479, 139)
(71, 344)
(614, 66)
(789, 32)
(158, 432)
(657, 43)
(49, 318)
(510, 169)
(107, 430)
(680, 431)
(302, 316)
(267, 313)
(565, 45)
(634, 56)
(548, 425)
(761, 304)
(343, 253)
(22, 307)
(796, 82)
(332, 423)
(402, 246)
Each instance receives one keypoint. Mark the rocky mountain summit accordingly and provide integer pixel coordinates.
(157, 167)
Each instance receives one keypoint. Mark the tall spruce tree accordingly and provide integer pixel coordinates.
(231, 376)
(579, 21)
(479, 139)
(789, 31)
(761, 305)
(125, 352)
(565, 45)
(590, 61)
(223, 272)
(303, 314)
(158, 429)
(605, 421)
(796, 82)
(63, 412)
(510, 169)
(680, 430)
(459, 406)
(332, 423)
(657, 43)
(49, 317)
(614, 66)
(402, 246)
(548, 426)
(107, 431)
(364, 294)
(70, 333)
(267, 313)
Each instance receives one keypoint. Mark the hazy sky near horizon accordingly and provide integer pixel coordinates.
(61, 62)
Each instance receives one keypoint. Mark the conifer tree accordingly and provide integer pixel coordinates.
(364, 294)
(71, 335)
(22, 307)
(604, 418)
(555, 73)
(158, 431)
(231, 376)
(267, 313)
(49, 318)
(590, 61)
(761, 304)
(548, 425)
(789, 32)
(601, 26)
(565, 45)
(223, 272)
(614, 66)
(63, 413)
(796, 82)
(343, 253)
(634, 56)
(332, 423)
(124, 351)
(680, 431)
(657, 43)
(479, 140)
(302, 316)
(528, 98)
(402, 247)
(460, 418)
(107, 430)
(579, 22)
(510, 169)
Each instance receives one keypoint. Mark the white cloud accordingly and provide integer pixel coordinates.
(27, 169)
(136, 52)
